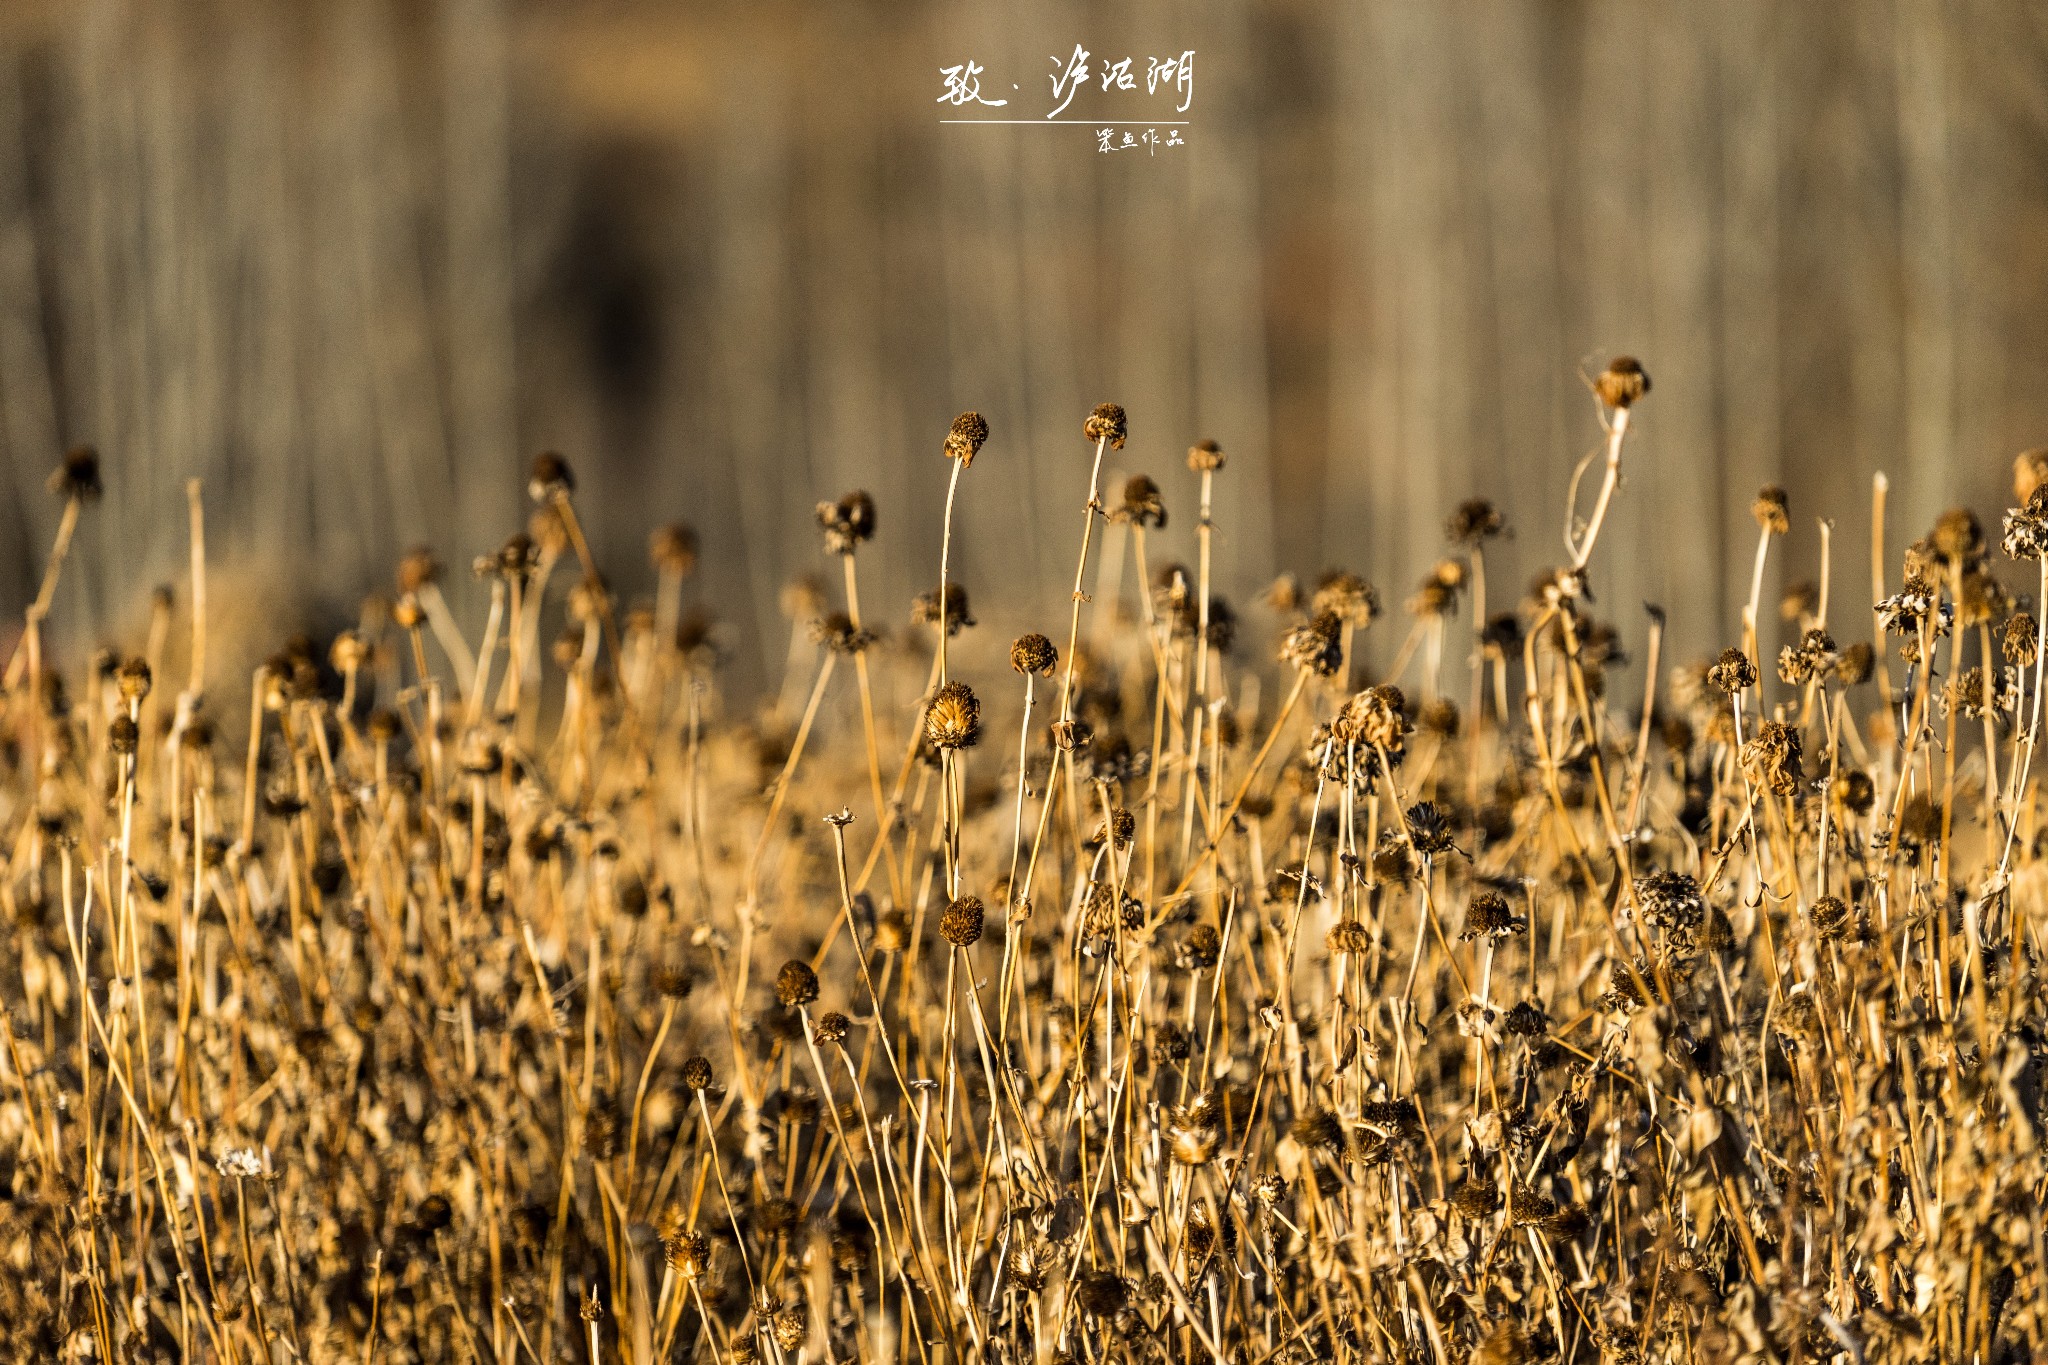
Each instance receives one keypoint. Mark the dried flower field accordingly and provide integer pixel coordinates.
(1136, 991)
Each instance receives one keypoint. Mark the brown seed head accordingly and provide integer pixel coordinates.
(830, 1027)
(697, 1073)
(1106, 423)
(79, 476)
(796, 984)
(960, 922)
(1622, 382)
(953, 720)
(417, 570)
(673, 549)
(1143, 505)
(1205, 457)
(1034, 654)
(550, 477)
(1772, 510)
(133, 678)
(963, 440)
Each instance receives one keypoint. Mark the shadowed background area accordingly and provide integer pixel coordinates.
(352, 263)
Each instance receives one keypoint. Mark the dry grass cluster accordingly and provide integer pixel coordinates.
(1145, 999)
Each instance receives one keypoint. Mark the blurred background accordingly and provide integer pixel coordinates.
(354, 262)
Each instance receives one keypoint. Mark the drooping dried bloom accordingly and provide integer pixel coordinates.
(1772, 758)
(1376, 719)
(1142, 505)
(830, 1027)
(924, 611)
(1317, 647)
(550, 477)
(953, 720)
(78, 478)
(2020, 641)
(1622, 382)
(1205, 457)
(1489, 916)
(1429, 829)
(1034, 654)
(1106, 423)
(1352, 600)
(848, 522)
(960, 922)
(837, 633)
(1904, 610)
(964, 437)
(1733, 672)
(796, 984)
(1813, 657)
(1772, 510)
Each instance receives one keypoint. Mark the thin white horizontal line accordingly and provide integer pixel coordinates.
(1090, 122)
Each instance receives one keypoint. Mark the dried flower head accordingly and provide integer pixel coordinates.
(1106, 423)
(1489, 916)
(550, 478)
(830, 1027)
(1205, 457)
(953, 720)
(1733, 672)
(1958, 538)
(796, 984)
(1317, 647)
(696, 1073)
(965, 436)
(78, 477)
(1034, 654)
(1142, 504)
(1474, 523)
(1772, 510)
(2020, 640)
(847, 522)
(673, 550)
(924, 610)
(1351, 599)
(961, 921)
(1622, 382)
